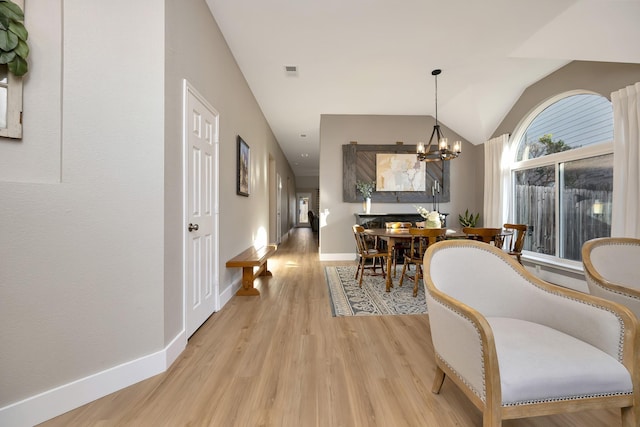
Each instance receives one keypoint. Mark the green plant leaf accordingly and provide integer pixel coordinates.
(11, 10)
(4, 22)
(18, 66)
(19, 30)
(6, 57)
(8, 40)
(22, 49)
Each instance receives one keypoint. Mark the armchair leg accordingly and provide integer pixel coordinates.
(491, 418)
(629, 417)
(438, 380)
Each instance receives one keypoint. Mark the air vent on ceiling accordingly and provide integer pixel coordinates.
(291, 70)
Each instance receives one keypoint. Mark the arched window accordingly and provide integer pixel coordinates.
(562, 174)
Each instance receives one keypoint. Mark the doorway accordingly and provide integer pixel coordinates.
(304, 206)
(200, 186)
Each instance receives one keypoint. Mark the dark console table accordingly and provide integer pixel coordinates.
(377, 220)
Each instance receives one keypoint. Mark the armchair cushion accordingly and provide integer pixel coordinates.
(552, 366)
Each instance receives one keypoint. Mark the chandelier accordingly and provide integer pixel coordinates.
(443, 151)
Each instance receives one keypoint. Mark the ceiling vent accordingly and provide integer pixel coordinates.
(291, 70)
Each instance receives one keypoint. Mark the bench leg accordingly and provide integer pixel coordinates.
(247, 288)
(265, 271)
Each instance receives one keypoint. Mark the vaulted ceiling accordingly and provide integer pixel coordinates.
(376, 57)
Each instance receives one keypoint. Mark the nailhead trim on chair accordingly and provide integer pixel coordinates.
(592, 281)
(620, 338)
(566, 398)
(481, 395)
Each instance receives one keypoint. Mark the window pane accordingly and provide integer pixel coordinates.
(535, 206)
(4, 77)
(585, 203)
(574, 121)
(3, 107)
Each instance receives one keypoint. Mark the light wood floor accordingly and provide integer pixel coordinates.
(281, 359)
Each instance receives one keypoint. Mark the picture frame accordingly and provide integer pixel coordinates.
(244, 168)
(359, 164)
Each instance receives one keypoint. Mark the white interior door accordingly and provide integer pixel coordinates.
(201, 225)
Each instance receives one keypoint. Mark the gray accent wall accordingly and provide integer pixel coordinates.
(337, 216)
(598, 77)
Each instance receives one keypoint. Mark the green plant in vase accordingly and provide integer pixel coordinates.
(468, 219)
(366, 189)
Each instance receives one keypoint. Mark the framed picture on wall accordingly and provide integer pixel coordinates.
(244, 167)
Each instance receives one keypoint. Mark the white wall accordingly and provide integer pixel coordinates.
(36, 158)
(91, 198)
(82, 208)
(336, 239)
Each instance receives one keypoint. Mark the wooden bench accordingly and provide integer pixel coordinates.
(248, 260)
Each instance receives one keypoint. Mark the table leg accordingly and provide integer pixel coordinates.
(390, 246)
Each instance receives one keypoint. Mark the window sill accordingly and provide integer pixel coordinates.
(553, 262)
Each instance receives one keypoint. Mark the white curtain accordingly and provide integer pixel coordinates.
(626, 162)
(497, 188)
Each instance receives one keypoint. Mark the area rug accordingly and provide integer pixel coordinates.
(348, 299)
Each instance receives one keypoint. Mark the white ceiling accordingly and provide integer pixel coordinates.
(376, 57)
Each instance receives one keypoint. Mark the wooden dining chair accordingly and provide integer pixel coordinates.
(484, 234)
(514, 242)
(366, 253)
(400, 248)
(421, 238)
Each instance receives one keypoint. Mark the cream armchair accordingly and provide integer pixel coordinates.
(611, 269)
(518, 346)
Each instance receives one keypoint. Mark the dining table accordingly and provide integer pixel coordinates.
(394, 235)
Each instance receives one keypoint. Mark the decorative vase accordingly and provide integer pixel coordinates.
(433, 224)
(433, 220)
(367, 205)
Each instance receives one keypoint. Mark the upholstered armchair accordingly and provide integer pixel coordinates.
(518, 346)
(611, 269)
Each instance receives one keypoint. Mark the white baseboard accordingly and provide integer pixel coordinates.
(44, 406)
(338, 257)
(229, 292)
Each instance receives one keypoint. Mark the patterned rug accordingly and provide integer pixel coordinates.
(347, 299)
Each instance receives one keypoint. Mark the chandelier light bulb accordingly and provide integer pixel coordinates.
(457, 147)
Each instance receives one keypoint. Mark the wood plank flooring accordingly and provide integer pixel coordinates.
(281, 359)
